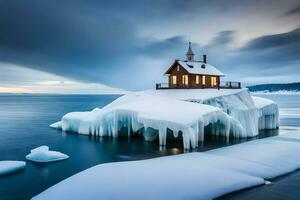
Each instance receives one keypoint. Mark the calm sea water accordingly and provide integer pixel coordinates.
(24, 124)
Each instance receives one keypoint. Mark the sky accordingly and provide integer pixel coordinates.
(94, 46)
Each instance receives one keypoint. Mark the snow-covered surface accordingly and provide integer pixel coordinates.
(279, 92)
(196, 68)
(42, 154)
(268, 113)
(188, 176)
(9, 166)
(228, 112)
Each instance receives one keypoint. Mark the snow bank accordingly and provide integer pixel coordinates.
(161, 113)
(268, 113)
(185, 176)
(7, 167)
(153, 116)
(42, 154)
(171, 177)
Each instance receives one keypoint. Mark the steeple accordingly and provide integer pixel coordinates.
(190, 54)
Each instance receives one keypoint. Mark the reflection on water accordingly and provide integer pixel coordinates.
(24, 124)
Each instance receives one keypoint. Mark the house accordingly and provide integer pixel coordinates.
(193, 74)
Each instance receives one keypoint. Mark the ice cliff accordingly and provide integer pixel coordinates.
(170, 113)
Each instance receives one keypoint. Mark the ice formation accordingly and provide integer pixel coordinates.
(268, 113)
(9, 166)
(42, 154)
(169, 113)
(186, 176)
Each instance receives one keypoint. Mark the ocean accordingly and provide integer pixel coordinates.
(24, 125)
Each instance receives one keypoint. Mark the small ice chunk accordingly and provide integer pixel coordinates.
(56, 125)
(268, 182)
(42, 154)
(41, 148)
(8, 166)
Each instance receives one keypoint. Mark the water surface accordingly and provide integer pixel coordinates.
(24, 124)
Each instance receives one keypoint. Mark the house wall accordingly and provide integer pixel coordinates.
(191, 77)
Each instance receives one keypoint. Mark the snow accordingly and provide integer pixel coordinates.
(42, 154)
(38, 149)
(169, 113)
(7, 167)
(196, 175)
(279, 92)
(268, 113)
(197, 69)
(153, 115)
(172, 177)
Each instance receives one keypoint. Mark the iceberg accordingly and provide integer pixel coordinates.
(160, 114)
(268, 113)
(9, 166)
(42, 154)
(198, 175)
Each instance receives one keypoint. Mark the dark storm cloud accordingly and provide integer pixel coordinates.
(275, 48)
(223, 38)
(162, 48)
(101, 41)
(294, 11)
(71, 39)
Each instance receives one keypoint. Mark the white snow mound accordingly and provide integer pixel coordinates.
(7, 167)
(205, 175)
(161, 113)
(42, 154)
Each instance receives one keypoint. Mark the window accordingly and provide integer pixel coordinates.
(174, 80)
(197, 79)
(213, 81)
(203, 80)
(178, 68)
(185, 79)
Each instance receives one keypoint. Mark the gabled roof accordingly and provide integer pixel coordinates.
(197, 67)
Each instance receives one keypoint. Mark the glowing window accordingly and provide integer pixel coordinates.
(213, 81)
(185, 79)
(203, 80)
(174, 80)
(197, 79)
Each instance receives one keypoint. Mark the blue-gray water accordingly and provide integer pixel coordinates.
(24, 124)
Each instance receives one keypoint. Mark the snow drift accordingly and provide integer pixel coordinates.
(164, 113)
(185, 176)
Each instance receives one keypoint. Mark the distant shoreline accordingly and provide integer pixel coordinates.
(279, 92)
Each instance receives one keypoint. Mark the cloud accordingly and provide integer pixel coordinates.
(293, 12)
(274, 49)
(223, 38)
(116, 42)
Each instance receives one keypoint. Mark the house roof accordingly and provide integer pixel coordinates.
(198, 67)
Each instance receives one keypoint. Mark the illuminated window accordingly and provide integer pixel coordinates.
(197, 79)
(174, 80)
(203, 80)
(213, 81)
(185, 79)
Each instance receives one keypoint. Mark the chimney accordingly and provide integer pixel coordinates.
(204, 59)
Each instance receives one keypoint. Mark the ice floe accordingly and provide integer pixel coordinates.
(205, 175)
(268, 113)
(42, 154)
(9, 166)
(161, 113)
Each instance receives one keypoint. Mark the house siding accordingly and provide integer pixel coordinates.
(191, 78)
